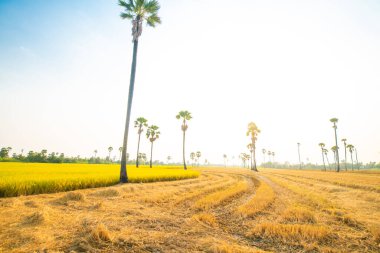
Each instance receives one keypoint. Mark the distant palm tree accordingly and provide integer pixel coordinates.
(351, 149)
(140, 123)
(247, 158)
(322, 145)
(269, 153)
(185, 116)
(325, 151)
(95, 152)
(299, 154)
(109, 152)
(345, 152)
(198, 155)
(120, 150)
(138, 11)
(264, 151)
(192, 157)
(225, 160)
(152, 134)
(142, 157)
(169, 158)
(273, 154)
(334, 121)
(242, 157)
(253, 131)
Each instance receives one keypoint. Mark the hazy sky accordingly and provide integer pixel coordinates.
(289, 66)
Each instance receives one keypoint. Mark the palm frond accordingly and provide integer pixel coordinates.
(153, 19)
(151, 6)
(126, 15)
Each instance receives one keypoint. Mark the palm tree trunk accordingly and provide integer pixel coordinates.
(151, 154)
(356, 155)
(299, 155)
(345, 156)
(328, 162)
(337, 151)
(123, 163)
(323, 158)
(254, 159)
(109, 156)
(352, 163)
(138, 149)
(183, 151)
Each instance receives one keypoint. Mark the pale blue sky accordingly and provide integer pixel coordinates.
(289, 66)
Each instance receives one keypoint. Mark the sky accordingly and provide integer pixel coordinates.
(289, 66)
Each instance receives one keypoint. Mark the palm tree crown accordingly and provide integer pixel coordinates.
(140, 123)
(185, 116)
(152, 133)
(139, 11)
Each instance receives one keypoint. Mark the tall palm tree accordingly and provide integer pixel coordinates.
(253, 131)
(322, 145)
(269, 153)
(95, 152)
(152, 134)
(334, 121)
(140, 123)
(351, 149)
(273, 154)
(169, 158)
(345, 152)
(185, 116)
(198, 155)
(264, 151)
(137, 11)
(120, 150)
(325, 151)
(299, 154)
(225, 160)
(109, 152)
(192, 157)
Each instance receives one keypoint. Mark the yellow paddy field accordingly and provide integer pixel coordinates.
(224, 210)
(35, 178)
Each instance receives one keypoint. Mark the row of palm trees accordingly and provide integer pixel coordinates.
(335, 150)
(270, 155)
(195, 156)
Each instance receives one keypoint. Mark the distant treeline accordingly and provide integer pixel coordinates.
(287, 165)
(56, 157)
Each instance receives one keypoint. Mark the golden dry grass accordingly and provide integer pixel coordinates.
(263, 198)
(224, 210)
(291, 232)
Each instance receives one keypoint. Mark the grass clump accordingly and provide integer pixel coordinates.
(293, 232)
(101, 234)
(206, 218)
(298, 215)
(36, 218)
